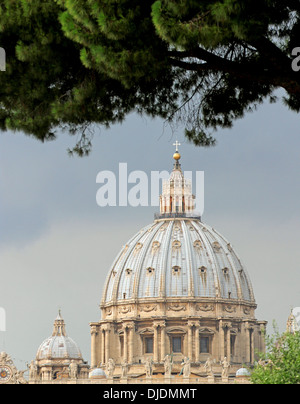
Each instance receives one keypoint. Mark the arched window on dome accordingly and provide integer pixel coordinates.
(155, 247)
(197, 244)
(137, 248)
(176, 245)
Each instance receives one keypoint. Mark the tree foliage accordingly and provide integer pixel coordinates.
(73, 63)
(281, 363)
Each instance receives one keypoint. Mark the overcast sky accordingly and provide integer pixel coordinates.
(57, 244)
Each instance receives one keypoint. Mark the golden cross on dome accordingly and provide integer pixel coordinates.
(177, 144)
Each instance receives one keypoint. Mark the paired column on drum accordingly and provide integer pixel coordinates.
(225, 341)
(128, 330)
(105, 346)
(94, 335)
(105, 351)
(230, 341)
(159, 335)
(193, 341)
(100, 346)
(249, 329)
(160, 340)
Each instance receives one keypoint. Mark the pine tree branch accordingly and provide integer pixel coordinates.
(279, 75)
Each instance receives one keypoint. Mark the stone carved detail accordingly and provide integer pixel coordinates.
(225, 368)
(148, 308)
(73, 370)
(208, 366)
(148, 367)
(205, 307)
(168, 365)
(124, 309)
(9, 374)
(177, 307)
(229, 308)
(186, 368)
(110, 367)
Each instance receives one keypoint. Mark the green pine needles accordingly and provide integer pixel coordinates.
(72, 64)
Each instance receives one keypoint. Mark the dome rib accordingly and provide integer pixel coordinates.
(211, 259)
(187, 238)
(140, 275)
(166, 261)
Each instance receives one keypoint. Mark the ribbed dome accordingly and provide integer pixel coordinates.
(59, 345)
(177, 258)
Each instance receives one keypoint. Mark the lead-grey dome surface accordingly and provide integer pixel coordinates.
(58, 347)
(98, 372)
(177, 258)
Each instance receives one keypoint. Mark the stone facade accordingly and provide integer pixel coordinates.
(9, 374)
(199, 330)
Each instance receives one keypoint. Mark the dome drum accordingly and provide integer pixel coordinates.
(133, 340)
(172, 306)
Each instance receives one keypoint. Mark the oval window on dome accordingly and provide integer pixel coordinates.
(197, 244)
(176, 245)
(138, 248)
(155, 246)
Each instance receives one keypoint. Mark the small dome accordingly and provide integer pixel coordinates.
(242, 372)
(97, 374)
(59, 345)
